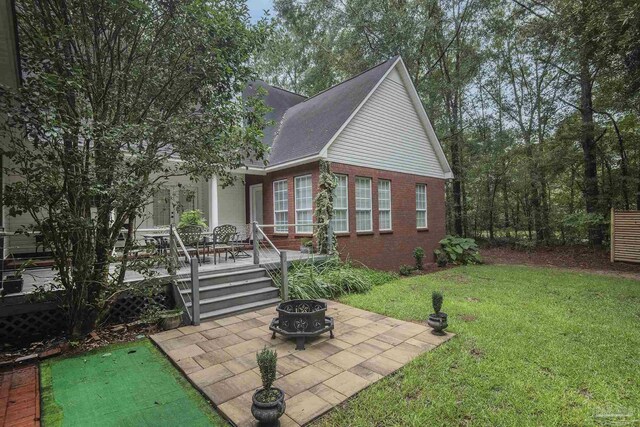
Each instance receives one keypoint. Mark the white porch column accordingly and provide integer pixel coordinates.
(213, 202)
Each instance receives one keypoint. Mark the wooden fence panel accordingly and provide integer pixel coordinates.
(625, 236)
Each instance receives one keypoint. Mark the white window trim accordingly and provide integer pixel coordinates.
(295, 202)
(275, 210)
(426, 207)
(364, 210)
(385, 210)
(347, 208)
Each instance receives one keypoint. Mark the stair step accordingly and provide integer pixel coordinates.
(239, 309)
(214, 278)
(214, 291)
(238, 298)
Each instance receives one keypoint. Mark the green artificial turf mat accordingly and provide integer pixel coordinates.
(122, 385)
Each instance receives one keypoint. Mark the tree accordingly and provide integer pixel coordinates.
(112, 94)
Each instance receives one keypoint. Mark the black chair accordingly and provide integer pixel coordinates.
(223, 240)
(191, 236)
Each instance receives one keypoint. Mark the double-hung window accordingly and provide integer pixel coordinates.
(384, 204)
(162, 207)
(421, 205)
(304, 204)
(341, 205)
(280, 205)
(363, 204)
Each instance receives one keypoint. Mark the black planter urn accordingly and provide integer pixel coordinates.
(268, 413)
(301, 319)
(12, 285)
(438, 321)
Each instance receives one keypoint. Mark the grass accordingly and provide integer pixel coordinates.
(534, 347)
(120, 385)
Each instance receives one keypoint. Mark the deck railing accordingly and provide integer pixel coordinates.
(263, 245)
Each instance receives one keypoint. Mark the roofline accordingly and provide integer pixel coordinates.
(422, 114)
(293, 163)
(437, 147)
(353, 77)
(285, 90)
(325, 149)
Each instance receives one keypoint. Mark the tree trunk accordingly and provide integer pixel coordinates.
(589, 148)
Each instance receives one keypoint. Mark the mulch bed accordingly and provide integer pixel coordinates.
(571, 257)
(11, 356)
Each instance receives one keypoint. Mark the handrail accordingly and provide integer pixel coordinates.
(176, 236)
(267, 239)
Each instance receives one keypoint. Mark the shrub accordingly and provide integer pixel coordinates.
(441, 258)
(459, 250)
(406, 270)
(331, 278)
(418, 255)
(194, 217)
(267, 360)
(436, 300)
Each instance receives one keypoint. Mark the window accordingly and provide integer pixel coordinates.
(280, 205)
(421, 206)
(304, 204)
(384, 204)
(363, 204)
(341, 205)
(162, 207)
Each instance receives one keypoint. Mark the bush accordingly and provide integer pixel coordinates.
(418, 255)
(331, 278)
(459, 250)
(436, 300)
(194, 217)
(406, 270)
(267, 360)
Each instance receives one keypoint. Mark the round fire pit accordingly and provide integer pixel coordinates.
(301, 318)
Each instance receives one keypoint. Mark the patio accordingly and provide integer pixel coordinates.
(219, 358)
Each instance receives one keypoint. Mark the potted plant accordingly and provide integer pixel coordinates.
(268, 401)
(306, 246)
(170, 319)
(12, 284)
(437, 320)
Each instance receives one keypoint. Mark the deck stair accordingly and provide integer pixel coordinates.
(229, 292)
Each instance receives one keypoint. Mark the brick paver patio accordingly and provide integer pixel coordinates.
(219, 357)
(20, 397)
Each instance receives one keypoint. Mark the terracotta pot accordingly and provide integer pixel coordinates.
(268, 413)
(170, 321)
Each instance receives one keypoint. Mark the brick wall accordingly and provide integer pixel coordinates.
(377, 249)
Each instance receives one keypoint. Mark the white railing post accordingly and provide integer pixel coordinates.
(285, 276)
(172, 262)
(195, 292)
(256, 242)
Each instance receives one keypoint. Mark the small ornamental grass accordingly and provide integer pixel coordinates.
(267, 361)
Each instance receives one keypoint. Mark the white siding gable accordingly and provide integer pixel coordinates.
(387, 133)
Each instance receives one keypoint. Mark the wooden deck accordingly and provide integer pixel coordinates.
(43, 276)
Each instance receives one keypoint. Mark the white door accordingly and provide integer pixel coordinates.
(255, 203)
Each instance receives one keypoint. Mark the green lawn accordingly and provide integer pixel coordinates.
(534, 346)
(129, 384)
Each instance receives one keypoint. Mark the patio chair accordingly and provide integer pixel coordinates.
(223, 239)
(191, 236)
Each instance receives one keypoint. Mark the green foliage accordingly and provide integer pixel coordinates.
(267, 362)
(111, 93)
(459, 250)
(194, 217)
(331, 278)
(324, 207)
(418, 255)
(577, 225)
(436, 301)
(406, 270)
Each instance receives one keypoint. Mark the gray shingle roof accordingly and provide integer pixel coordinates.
(304, 126)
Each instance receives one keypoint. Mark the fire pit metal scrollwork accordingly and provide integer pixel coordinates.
(300, 319)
